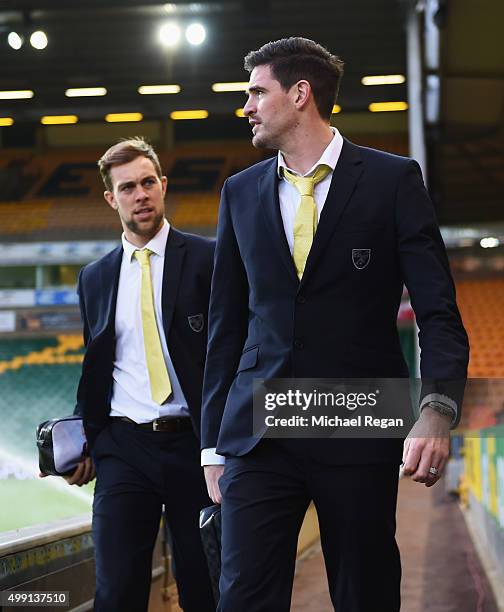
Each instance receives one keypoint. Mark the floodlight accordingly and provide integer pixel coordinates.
(383, 107)
(146, 90)
(195, 34)
(188, 114)
(22, 94)
(58, 119)
(490, 242)
(38, 40)
(82, 92)
(169, 34)
(238, 86)
(15, 40)
(385, 79)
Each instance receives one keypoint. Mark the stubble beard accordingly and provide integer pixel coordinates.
(274, 139)
(263, 142)
(147, 231)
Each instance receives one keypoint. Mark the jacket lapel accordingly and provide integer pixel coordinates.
(270, 205)
(344, 179)
(173, 262)
(109, 283)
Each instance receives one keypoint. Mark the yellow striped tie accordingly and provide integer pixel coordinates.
(158, 374)
(305, 222)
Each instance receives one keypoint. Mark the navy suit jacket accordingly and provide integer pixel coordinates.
(338, 321)
(186, 289)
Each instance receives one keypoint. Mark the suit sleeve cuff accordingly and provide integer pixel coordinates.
(210, 457)
(445, 402)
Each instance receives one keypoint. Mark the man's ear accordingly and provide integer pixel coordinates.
(164, 183)
(109, 198)
(302, 92)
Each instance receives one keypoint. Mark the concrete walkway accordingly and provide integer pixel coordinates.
(441, 570)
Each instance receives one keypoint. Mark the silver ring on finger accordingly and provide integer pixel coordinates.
(434, 471)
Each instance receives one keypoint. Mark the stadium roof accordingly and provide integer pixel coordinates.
(114, 44)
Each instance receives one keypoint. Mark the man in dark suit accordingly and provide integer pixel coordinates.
(144, 307)
(313, 249)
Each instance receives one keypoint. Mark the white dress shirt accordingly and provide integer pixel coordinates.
(131, 392)
(289, 204)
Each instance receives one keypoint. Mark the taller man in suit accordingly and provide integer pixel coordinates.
(292, 297)
(144, 307)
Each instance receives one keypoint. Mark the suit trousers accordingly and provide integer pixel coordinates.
(138, 471)
(265, 496)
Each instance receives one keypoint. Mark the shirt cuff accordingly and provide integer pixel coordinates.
(210, 457)
(445, 401)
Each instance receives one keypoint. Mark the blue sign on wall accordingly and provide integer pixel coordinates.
(62, 297)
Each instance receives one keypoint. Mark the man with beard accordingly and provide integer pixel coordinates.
(313, 249)
(144, 308)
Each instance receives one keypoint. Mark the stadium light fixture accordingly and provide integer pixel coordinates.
(490, 242)
(59, 119)
(148, 90)
(82, 92)
(432, 98)
(6, 121)
(121, 117)
(22, 94)
(239, 112)
(195, 34)
(386, 79)
(336, 109)
(188, 114)
(223, 87)
(169, 34)
(38, 40)
(383, 107)
(15, 40)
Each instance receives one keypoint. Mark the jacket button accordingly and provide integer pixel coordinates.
(301, 299)
(299, 344)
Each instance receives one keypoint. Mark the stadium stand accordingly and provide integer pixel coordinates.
(68, 350)
(38, 380)
(63, 192)
(471, 178)
(15, 179)
(195, 211)
(481, 304)
(23, 218)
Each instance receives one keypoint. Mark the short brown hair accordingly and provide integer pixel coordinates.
(296, 58)
(123, 152)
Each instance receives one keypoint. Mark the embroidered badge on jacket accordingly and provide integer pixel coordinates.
(361, 258)
(196, 322)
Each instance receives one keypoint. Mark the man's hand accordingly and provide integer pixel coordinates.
(427, 445)
(83, 473)
(212, 476)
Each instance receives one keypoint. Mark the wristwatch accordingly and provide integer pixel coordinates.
(442, 408)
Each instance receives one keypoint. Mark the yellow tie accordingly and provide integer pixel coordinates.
(158, 374)
(305, 222)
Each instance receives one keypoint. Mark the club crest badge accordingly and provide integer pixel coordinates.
(360, 258)
(196, 322)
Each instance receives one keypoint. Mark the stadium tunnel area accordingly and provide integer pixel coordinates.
(53, 221)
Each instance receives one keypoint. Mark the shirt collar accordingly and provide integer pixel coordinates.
(157, 244)
(329, 157)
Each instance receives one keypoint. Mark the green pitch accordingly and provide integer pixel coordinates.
(29, 502)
